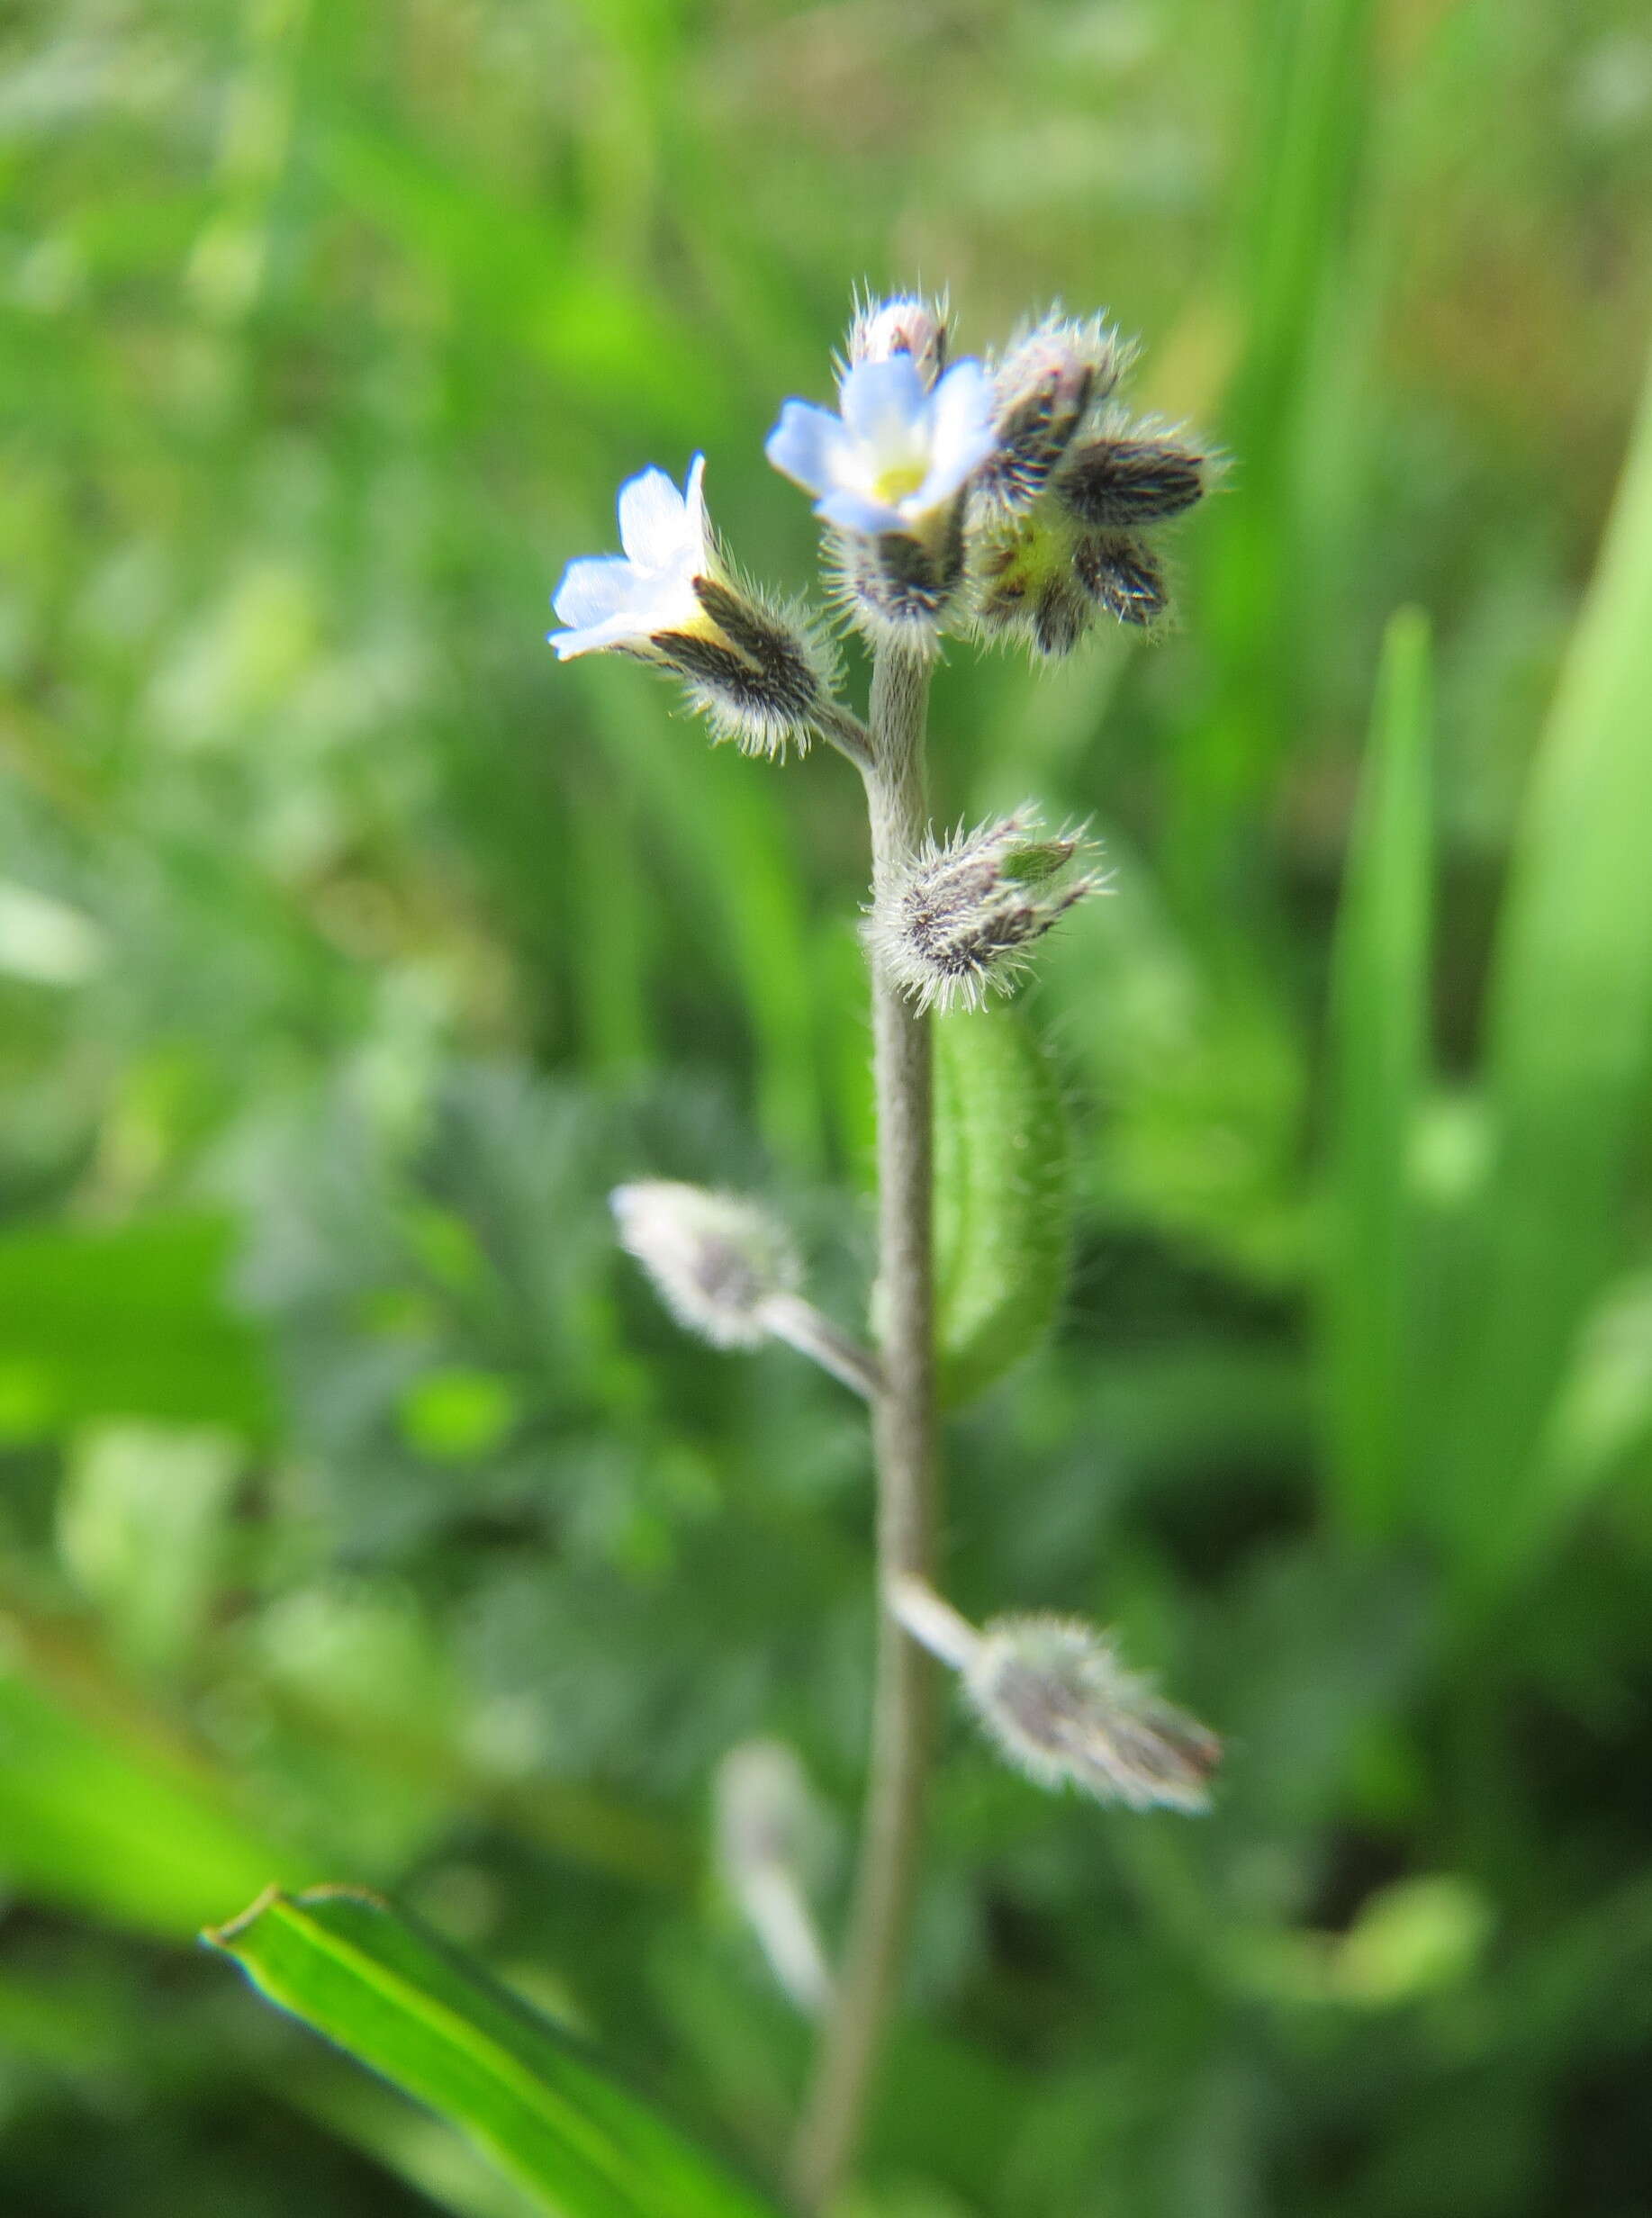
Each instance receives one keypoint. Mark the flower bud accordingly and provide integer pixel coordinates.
(1041, 581)
(956, 923)
(1043, 389)
(1122, 577)
(1061, 1707)
(715, 1260)
(1026, 586)
(764, 1823)
(903, 325)
(1117, 481)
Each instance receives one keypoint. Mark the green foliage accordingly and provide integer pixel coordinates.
(436, 2027)
(361, 1518)
(100, 1814)
(1003, 1204)
(1382, 1048)
(1569, 1029)
(128, 1321)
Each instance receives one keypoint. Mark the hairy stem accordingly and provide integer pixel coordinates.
(904, 1437)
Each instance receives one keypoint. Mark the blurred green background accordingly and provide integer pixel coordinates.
(363, 1518)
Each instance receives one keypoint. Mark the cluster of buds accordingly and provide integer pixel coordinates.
(1073, 488)
(1053, 1696)
(956, 921)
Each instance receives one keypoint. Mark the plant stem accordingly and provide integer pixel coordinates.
(904, 1440)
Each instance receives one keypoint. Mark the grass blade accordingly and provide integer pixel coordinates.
(374, 1983)
(1379, 1058)
(1571, 1016)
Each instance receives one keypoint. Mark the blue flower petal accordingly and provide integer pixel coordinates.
(808, 445)
(593, 588)
(652, 523)
(964, 415)
(883, 402)
(856, 513)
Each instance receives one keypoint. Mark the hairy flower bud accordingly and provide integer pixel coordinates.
(906, 324)
(764, 1823)
(1131, 475)
(1053, 1695)
(1062, 1707)
(1043, 579)
(717, 1261)
(1122, 576)
(956, 922)
(1044, 387)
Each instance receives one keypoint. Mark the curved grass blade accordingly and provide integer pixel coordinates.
(525, 2092)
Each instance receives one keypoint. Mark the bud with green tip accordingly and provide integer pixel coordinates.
(956, 923)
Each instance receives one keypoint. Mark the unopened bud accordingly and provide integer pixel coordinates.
(1053, 1695)
(1122, 577)
(956, 922)
(1123, 479)
(1043, 388)
(765, 1821)
(1028, 588)
(905, 325)
(1062, 1707)
(1041, 581)
(715, 1260)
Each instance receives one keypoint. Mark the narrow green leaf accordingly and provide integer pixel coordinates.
(1571, 1016)
(99, 1813)
(1002, 1205)
(529, 2096)
(1379, 1057)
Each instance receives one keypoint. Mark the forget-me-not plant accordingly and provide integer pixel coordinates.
(1009, 500)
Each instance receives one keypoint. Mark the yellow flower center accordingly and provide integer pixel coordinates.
(893, 485)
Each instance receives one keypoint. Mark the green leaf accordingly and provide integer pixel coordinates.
(1379, 1024)
(126, 1321)
(102, 1814)
(434, 2025)
(1571, 1018)
(1002, 1205)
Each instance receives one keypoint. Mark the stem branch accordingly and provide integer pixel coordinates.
(904, 1439)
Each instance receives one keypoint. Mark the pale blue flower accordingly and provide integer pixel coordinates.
(614, 601)
(898, 453)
